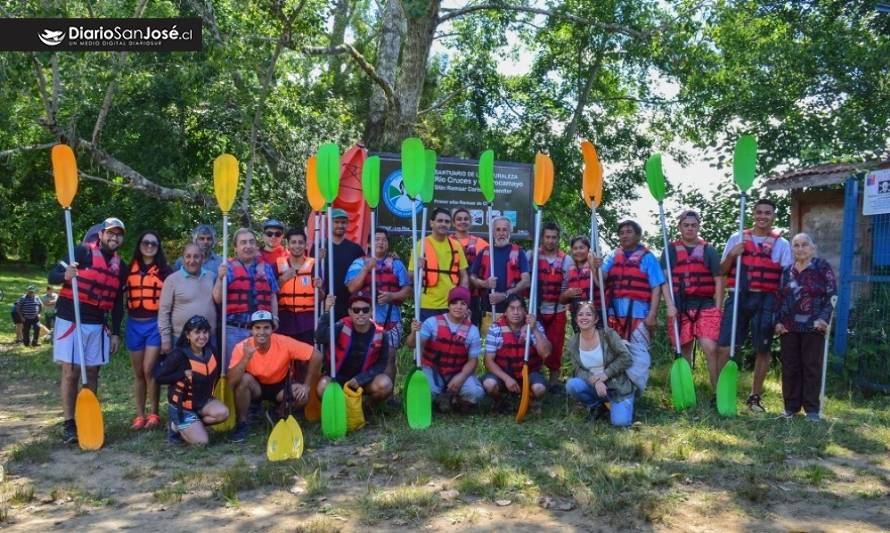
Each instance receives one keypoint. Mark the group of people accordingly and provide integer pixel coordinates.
(276, 328)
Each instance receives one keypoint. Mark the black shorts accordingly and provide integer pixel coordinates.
(269, 393)
(756, 314)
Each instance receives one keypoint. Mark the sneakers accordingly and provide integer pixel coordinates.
(785, 415)
(755, 405)
(69, 432)
(813, 417)
(443, 403)
(240, 433)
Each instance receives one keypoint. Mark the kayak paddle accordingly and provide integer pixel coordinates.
(225, 185)
(592, 193)
(87, 411)
(542, 188)
(744, 163)
(682, 386)
(371, 191)
(486, 185)
(312, 411)
(825, 354)
(286, 440)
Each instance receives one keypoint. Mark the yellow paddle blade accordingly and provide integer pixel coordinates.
(524, 399)
(279, 443)
(64, 174)
(312, 411)
(592, 182)
(296, 434)
(313, 193)
(224, 393)
(225, 181)
(543, 179)
(88, 418)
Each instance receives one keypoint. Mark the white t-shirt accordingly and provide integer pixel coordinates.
(593, 359)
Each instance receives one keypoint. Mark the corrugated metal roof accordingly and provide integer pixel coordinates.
(830, 174)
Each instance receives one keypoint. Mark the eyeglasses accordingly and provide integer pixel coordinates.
(274, 234)
(361, 310)
(149, 244)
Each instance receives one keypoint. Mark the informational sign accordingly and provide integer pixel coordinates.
(876, 197)
(457, 185)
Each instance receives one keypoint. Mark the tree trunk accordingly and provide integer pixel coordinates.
(341, 14)
(387, 65)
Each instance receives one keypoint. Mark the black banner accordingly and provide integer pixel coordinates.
(457, 185)
(87, 35)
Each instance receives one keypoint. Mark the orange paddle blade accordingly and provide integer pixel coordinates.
(543, 179)
(525, 398)
(313, 193)
(592, 182)
(64, 174)
(88, 418)
(312, 411)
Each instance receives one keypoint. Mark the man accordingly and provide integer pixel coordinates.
(511, 274)
(472, 246)
(360, 350)
(764, 254)
(698, 290)
(49, 306)
(100, 278)
(634, 285)
(205, 237)
(451, 345)
(186, 293)
(505, 349)
(28, 308)
(260, 369)
(345, 253)
(393, 287)
(551, 275)
(444, 266)
(251, 286)
(273, 230)
(296, 296)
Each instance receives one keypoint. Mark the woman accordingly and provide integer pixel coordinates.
(601, 360)
(148, 270)
(576, 283)
(804, 309)
(192, 370)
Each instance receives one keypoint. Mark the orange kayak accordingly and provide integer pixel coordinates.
(350, 199)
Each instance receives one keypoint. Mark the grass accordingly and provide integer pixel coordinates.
(389, 473)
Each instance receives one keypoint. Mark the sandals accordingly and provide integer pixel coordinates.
(153, 421)
(138, 423)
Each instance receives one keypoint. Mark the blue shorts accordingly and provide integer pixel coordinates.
(182, 418)
(142, 333)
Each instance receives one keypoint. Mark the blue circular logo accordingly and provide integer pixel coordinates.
(396, 199)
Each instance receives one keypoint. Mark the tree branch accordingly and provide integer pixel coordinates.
(441, 103)
(583, 96)
(41, 88)
(11, 151)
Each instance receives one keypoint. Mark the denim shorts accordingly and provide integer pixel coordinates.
(182, 418)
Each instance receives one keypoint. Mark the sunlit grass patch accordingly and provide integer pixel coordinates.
(405, 503)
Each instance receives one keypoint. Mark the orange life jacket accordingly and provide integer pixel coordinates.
(97, 284)
(472, 246)
(144, 290)
(447, 352)
(763, 273)
(297, 294)
(194, 394)
(431, 267)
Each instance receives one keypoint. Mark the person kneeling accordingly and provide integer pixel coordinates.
(505, 348)
(601, 360)
(191, 370)
(259, 371)
(360, 348)
(450, 345)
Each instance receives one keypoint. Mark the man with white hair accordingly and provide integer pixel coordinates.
(510, 267)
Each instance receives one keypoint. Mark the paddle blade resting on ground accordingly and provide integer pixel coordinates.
(727, 387)
(312, 411)
(327, 168)
(224, 393)
(526, 393)
(744, 162)
(486, 175)
(655, 177)
(225, 181)
(279, 443)
(64, 174)
(592, 179)
(429, 177)
(413, 165)
(418, 400)
(371, 181)
(88, 418)
(313, 193)
(296, 434)
(333, 411)
(543, 179)
(682, 386)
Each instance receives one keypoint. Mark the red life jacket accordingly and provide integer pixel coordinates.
(690, 272)
(626, 279)
(763, 273)
(447, 352)
(514, 275)
(387, 281)
(509, 356)
(550, 276)
(97, 284)
(204, 377)
(297, 294)
(579, 278)
(344, 344)
(243, 285)
(144, 290)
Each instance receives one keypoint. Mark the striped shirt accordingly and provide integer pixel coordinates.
(29, 307)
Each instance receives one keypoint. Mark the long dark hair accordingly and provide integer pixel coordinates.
(160, 258)
(197, 322)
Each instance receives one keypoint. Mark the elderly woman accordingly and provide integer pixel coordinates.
(804, 309)
(601, 360)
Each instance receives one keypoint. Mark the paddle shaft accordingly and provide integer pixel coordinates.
(595, 244)
(76, 296)
(533, 294)
(225, 292)
(374, 270)
(418, 254)
(491, 255)
(825, 355)
(667, 262)
(738, 279)
(422, 258)
(331, 313)
(315, 250)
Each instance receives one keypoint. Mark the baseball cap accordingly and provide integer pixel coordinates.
(31, 288)
(459, 293)
(261, 316)
(112, 222)
(360, 297)
(338, 213)
(272, 223)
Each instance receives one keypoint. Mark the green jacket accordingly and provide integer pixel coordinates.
(616, 360)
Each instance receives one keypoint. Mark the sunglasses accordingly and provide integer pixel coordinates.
(149, 244)
(360, 310)
(274, 234)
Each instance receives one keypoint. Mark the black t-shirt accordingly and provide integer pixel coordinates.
(344, 254)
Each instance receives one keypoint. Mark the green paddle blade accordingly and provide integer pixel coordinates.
(327, 168)
(655, 177)
(727, 386)
(333, 411)
(371, 181)
(429, 177)
(744, 162)
(413, 165)
(682, 387)
(486, 175)
(418, 400)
